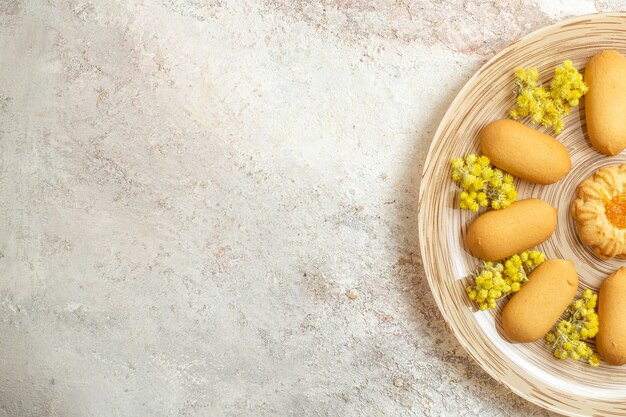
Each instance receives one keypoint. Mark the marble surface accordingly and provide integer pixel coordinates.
(209, 207)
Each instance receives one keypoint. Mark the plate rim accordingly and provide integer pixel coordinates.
(424, 183)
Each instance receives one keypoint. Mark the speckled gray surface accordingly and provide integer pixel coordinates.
(208, 208)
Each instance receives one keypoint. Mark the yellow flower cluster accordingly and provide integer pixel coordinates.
(497, 280)
(544, 107)
(482, 184)
(567, 341)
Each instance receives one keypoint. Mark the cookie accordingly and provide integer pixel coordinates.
(545, 160)
(534, 309)
(599, 211)
(498, 234)
(611, 337)
(605, 102)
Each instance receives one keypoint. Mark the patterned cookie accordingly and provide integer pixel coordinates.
(600, 211)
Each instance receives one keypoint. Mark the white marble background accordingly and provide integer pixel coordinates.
(208, 207)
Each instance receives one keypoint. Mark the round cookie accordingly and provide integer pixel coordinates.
(599, 211)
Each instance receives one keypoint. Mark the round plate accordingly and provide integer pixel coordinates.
(568, 387)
